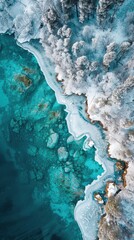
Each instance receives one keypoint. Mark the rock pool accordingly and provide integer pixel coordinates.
(43, 169)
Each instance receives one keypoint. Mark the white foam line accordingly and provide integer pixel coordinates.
(87, 212)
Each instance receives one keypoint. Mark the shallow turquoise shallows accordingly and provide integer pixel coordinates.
(43, 169)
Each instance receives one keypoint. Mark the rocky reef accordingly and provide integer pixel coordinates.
(90, 44)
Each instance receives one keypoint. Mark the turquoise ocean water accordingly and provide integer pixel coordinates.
(40, 182)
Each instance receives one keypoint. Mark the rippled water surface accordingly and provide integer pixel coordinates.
(43, 169)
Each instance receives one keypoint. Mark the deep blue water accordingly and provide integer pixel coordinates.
(38, 191)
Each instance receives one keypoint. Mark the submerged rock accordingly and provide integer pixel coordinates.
(76, 154)
(39, 175)
(70, 139)
(14, 125)
(62, 154)
(71, 152)
(67, 169)
(52, 140)
(68, 163)
(32, 150)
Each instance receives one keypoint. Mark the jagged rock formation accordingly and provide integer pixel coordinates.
(93, 55)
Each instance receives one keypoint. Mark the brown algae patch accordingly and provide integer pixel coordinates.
(23, 79)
